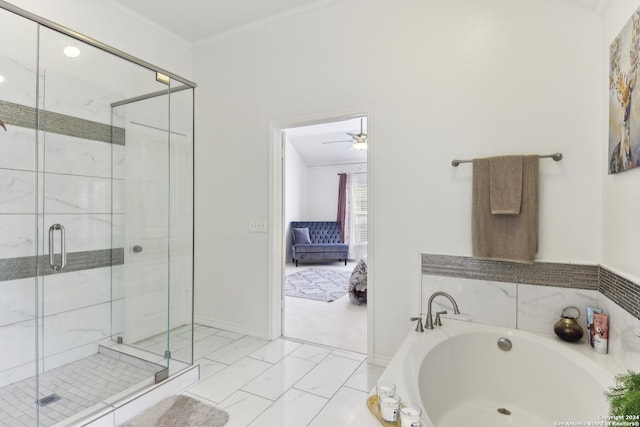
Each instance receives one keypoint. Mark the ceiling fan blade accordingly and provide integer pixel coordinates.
(333, 142)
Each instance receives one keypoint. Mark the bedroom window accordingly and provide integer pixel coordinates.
(360, 212)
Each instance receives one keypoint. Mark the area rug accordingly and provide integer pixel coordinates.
(179, 411)
(318, 284)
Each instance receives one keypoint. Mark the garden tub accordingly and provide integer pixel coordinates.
(458, 375)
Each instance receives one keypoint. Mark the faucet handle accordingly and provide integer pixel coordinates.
(438, 322)
(419, 327)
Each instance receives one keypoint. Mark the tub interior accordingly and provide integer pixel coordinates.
(468, 374)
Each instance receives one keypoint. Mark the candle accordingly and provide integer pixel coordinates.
(410, 415)
(383, 387)
(389, 407)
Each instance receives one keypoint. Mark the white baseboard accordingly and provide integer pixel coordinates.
(232, 327)
(379, 361)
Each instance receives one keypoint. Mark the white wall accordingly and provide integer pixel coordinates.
(295, 189)
(443, 80)
(620, 210)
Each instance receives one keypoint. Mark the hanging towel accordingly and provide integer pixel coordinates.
(511, 238)
(505, 185)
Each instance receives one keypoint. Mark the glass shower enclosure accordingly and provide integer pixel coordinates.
(96, 219)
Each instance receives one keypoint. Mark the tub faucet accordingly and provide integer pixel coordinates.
(429, 320)
(419, 327)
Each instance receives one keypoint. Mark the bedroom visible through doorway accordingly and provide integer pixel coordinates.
(326, 194)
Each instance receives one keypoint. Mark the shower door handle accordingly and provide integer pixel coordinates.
(63, 249)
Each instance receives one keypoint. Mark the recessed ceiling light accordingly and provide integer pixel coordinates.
(1, 78)
(72, 51)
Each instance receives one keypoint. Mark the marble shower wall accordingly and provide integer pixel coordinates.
(532, 297)
(67, 177)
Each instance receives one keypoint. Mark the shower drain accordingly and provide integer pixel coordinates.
(48, 399)
(504, 411)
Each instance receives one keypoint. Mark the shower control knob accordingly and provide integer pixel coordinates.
(137, 249)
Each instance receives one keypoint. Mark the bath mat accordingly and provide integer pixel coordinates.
(179, 411)
(317, 283)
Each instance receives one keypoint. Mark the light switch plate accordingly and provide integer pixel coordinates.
(258, 225)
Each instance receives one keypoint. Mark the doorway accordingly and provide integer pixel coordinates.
(319, 304)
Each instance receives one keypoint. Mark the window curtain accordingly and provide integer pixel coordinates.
(344, 207)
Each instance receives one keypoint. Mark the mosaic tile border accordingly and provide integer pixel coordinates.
(24, 116)
(560, 275)
(25, 267)
(622, 291)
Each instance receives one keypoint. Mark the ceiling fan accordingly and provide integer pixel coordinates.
(358, 140)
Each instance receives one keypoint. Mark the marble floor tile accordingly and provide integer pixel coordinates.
(365, 377)
(311, 352)
(328, 376)
(342, 409)
(296, 408)
(276, 380)
(200, 332)
(275, 350)
(229, 334)
(209, 368)
(243, 408)
(235, 350)
(209, 345)
(226, 382)
(349, 355)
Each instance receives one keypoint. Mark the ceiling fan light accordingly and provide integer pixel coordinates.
(360, 145)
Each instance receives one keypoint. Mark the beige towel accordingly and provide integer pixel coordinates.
(505, 185)
(505, 237)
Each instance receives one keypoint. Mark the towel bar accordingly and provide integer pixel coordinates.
(555, 156)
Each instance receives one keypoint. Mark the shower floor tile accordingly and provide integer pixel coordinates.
(80, 385)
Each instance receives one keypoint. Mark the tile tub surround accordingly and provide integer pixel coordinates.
(559, 275)
(532, 297)
(539, 273)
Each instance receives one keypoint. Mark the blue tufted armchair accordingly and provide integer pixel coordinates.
(324, 241)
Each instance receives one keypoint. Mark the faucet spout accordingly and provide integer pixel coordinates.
(429, 319)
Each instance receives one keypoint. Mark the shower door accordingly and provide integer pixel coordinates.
(19, 245)
(86, 184)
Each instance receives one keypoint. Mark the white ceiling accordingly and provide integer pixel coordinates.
(198, 20)
(308, 142)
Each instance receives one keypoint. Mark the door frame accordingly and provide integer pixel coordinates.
(276, 241)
